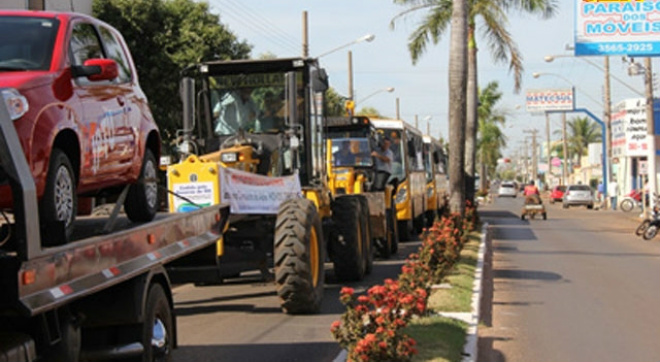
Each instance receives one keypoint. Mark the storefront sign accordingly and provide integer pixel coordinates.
(604, 27)
(540, 100)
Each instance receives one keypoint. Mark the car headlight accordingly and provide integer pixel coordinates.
(229, 157)
(17, 104)
(401, 195)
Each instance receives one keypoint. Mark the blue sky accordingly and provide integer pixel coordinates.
(275, 26)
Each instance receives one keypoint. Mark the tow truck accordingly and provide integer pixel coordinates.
(103, 297)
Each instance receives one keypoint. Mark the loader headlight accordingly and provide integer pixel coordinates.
(401, 195)
(229, 157)
(17, 104)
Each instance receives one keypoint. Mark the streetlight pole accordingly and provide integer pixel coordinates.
(607, 119)
(650, 138)
(388, 89)
(564, 149)
(548, 147)
(368, 38)
(350, 75)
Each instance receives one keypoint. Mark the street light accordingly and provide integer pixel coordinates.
(388, 89)
(367, 38)
(537, 75)
(550, 58)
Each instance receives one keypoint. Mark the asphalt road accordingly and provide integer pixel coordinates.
(579, 286)
(242, 320)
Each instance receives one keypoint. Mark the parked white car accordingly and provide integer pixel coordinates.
(580, 195)
(507, 189)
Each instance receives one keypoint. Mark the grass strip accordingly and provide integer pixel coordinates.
(458, 298)
(441, 339)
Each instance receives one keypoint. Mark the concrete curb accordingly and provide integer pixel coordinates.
(470, 350)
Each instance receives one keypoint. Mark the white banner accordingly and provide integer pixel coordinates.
(538, 100)
(249, 193)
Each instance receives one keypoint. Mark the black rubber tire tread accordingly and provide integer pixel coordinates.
(405, 230)
(430, 218)
(545, 216)
(293, 275)
(368, 242)
(348, 259)
(642, 227)
(650, 232)
(394, 229)
(385, 247)
(157, 306)
(47, 208)
(136, 206)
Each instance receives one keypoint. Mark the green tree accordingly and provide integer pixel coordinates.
(164, 37)
(335, 103)
(370, 112)
(581, 132)
(491, 139)
(493, 15)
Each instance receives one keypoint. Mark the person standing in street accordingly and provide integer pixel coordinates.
(612, 192)
(383, 162)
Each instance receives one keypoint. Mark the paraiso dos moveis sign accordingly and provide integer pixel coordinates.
(617, 27)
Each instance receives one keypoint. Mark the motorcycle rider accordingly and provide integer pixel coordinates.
(532, 195)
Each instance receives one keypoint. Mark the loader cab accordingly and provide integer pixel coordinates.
(350, 141)
(260, 116)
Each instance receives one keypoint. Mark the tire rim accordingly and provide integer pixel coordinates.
(314, 256)
(63, 195)
(150, 187)
(159, 340)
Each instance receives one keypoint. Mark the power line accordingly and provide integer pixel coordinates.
(251, 20)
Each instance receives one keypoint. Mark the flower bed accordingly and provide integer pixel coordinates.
(371, 329)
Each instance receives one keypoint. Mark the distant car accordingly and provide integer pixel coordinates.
(557, 193)
(507, 189)
(578, 195)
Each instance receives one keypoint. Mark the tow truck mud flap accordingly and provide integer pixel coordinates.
(17, 347)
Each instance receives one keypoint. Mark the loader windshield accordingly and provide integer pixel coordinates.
(351, 152)
(254, 103)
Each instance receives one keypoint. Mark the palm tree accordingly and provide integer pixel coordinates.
(581, 132)
(503, 48)
(457, 86)
(491, 138)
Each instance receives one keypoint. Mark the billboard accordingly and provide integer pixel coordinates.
(604, 27)
(541, 100)
(629, 127)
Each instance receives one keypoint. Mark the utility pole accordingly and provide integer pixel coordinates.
(548, 146)
(305, 39)
(534, 165)
(650, 137)
(350, 75)
(565, 149)
(607, 119)
(526, 178)
(398, 115)
(416, 122)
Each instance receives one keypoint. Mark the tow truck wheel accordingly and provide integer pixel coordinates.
(141, 202)
(157, 332)
(368, 242)
(59, 202)
(349, 261)
(299, 257)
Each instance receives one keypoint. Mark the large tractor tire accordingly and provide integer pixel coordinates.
(405, 228)
(348, 249)
(367, 240)
(299, 257)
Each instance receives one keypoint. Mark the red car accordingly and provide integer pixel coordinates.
(72, 92)
(557, 193)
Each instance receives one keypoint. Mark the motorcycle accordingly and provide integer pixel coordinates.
(634, 198)
(649, 228)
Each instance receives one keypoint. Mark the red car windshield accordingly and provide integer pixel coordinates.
(26, 43)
